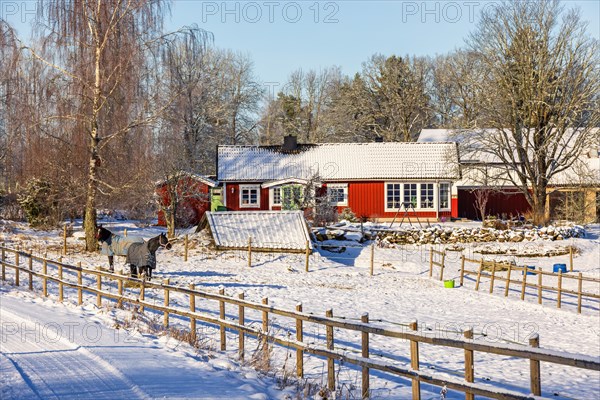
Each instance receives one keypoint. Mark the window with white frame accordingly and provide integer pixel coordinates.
(410, 194)
(427, 195)
(249, 196)
(338, 194)
(276, 196)
(445, 196)
(392, 196)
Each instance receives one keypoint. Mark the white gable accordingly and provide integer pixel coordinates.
(340, 161)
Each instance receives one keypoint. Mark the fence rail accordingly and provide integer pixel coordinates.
(494, 267)
(327, 350)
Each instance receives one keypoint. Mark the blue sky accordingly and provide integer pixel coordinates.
(282, 36)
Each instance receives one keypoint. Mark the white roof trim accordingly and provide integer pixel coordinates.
(285, 181)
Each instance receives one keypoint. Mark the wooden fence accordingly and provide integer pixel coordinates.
(102, 286)
(514, 271)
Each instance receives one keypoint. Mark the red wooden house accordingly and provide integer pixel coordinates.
(372, 179)
(192, 193)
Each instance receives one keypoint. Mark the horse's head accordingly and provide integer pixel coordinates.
(163, 241)
(102, 234)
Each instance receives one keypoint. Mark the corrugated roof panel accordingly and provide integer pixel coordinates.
(276, 230)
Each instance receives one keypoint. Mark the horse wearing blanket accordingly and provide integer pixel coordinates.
(140, 254)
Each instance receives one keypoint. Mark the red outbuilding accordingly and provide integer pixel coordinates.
(191, 193)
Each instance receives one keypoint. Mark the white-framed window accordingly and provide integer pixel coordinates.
(337, 193)
(410, 194)
(249, 196)
(393, 196)
(444, 196)
(276, 196)
(427, 196)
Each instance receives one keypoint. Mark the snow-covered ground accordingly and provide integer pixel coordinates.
(399, 291)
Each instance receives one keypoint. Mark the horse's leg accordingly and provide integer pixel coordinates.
(134, 272)
(111, 265)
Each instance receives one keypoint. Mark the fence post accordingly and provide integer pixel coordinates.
(142, 295)
(372, 259)
(524, 284)
(166, 313)
(462, 269)
(125, 232)
(365, 354)
(307, 256)
(65, 240)
(30, 269)
(479, 274)
(45, 280)
(3, 266)
(60, 284)
(493, 279)
(469, 367)
(559, 296)
(579, 286)
(222, 316)
(193, 309)
(571, 258)
(330, 346)
(414, 362)
(506, 289)
(265, 329)
(80, 284)
(299, 338)
(120, 283)
(540, 285)
(185, 247)
(99, 287)
(17, 275)
(442, 266)
(534, 368)
(241, 322)
(249, 252)
(430, 261)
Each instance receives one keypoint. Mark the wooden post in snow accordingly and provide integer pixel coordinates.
(506, 289)
(534, 368)
(579, 285)
(185, 247)
(330, 346)
(414, 362)
(372, 259)
(571, 258)
(307, 255)
(249, 252)
(462, 269)
(222, 316)
(166, 313)
(30, 269)
(365, 354)
(479, 275)
(65, 240)
(559, 295)
(299, 338)
(539, 285)
(241, 322)
(469, 366)
(193, 309)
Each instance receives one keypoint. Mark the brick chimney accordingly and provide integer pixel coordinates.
(290, 143)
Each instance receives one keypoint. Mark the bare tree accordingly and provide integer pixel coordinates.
(99, 49)
(539, 94)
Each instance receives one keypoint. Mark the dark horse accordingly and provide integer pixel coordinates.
(141, 255)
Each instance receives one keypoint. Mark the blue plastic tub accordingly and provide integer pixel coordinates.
(559, 268)
(532, 267)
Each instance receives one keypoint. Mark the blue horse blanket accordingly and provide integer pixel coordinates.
(117, 245)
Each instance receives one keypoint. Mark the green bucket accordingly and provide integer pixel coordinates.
(449, 283)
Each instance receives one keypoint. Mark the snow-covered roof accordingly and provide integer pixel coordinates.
(200, 178)
(269, 230)
(339, 162)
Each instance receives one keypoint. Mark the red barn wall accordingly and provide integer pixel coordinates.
(511, 203)
(192, 208)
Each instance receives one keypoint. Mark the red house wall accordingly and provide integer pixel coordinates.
(511, 203)
(364, 198)
(367, 199)
(232, 198)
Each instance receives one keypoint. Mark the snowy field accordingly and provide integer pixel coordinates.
(399, 292)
